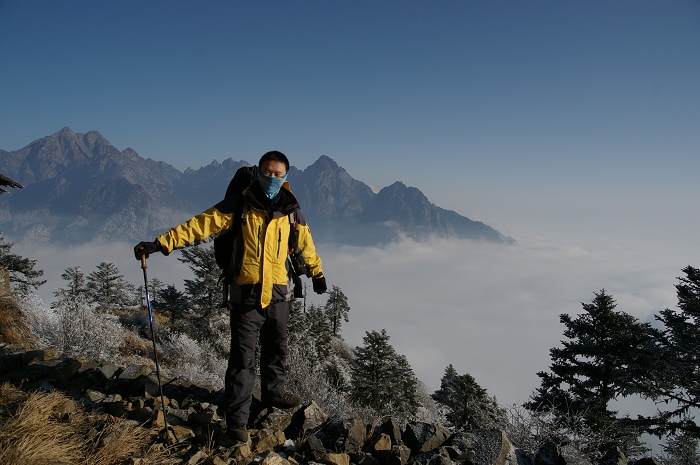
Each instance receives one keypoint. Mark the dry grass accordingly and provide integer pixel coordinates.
(34, 430)
(13, 328)
(29, 434)
(132, 344)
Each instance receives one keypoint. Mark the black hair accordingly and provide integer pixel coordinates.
(274, 156)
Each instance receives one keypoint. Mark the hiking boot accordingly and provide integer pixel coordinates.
(238, 433)
(284, 402)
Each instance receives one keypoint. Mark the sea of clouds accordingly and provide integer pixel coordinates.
(490, 310)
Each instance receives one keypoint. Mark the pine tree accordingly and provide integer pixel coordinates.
(382, 379)
(603, 348)
(467, 404)
(171, 300)
(297, 322)
(76, 286)
(675, 378)
(337, 309)
(155, 286)
(204, 290)
(107, 287)
(681, 449)
(319, 331)
(23, 276)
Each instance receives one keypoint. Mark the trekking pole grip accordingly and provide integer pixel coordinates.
(143, 262)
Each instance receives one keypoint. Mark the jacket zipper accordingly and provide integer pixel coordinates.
(257, 251)
(279, 241)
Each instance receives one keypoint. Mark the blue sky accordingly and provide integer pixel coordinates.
(475, 103)
(573, 127)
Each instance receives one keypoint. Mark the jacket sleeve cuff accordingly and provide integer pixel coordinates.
(160, 247)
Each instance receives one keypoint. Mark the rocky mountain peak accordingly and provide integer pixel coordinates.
(94, 138)
(324, 163)
(79, 187)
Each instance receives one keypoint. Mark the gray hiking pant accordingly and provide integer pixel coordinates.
(248, 323)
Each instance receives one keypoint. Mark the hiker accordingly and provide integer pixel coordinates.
(259, 298)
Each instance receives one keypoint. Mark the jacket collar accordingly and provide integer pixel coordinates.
(283, 204)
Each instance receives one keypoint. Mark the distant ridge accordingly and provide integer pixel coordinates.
(78, 187)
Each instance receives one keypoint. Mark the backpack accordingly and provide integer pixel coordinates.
(225, 244)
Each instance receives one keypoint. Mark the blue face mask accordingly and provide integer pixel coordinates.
(271, 185)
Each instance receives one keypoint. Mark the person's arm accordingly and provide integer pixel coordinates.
(308, 249)
(198, 229)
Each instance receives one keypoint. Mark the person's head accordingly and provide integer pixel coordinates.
(272, 172)
(273, 162)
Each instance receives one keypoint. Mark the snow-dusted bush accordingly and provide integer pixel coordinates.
(428, 410)
(219, 333)
(41, 320)
(73, 327)
(307, 379)
(187, 358)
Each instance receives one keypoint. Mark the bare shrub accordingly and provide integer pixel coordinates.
(528, 430)
(525, 430)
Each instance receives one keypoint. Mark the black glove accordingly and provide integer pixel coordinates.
(146, 248)
(319, 283)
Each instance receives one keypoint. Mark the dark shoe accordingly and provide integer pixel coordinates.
(284, 402)
(238, 433)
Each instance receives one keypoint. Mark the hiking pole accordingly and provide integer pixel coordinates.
(153, 337)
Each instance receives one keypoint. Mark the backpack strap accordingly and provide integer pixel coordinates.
(235, 254)
(244, 211)
(296, 259)
(293, 234)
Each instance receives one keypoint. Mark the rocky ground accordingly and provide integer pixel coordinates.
(117, 412)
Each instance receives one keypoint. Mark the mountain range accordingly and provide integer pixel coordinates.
(79, 188)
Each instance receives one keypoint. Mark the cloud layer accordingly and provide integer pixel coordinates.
(490, 310)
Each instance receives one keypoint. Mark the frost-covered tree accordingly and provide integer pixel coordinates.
(382, 379)
(155, 286)
(319, 330)
(319, 365)
(76, 286)
(297, 321)
(77, 330)
(675, 377)
(310, 330)
(204, 291)
(467, 405)
(312, 380)
(337, 370)
(322, 355)
(680, 449)
(107, 287)
(337, 309)
(603, 350)
(24, 277)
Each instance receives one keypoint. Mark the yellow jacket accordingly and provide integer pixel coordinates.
(265, 227)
